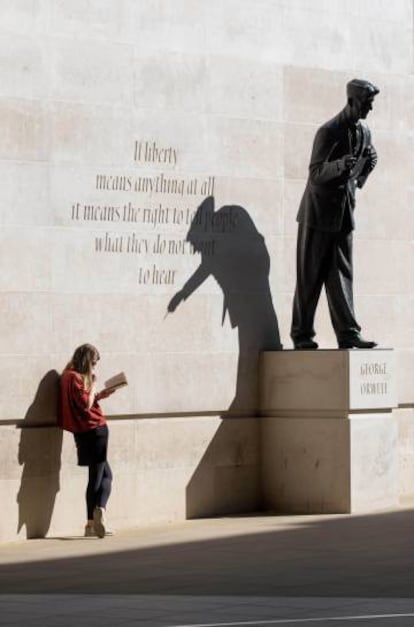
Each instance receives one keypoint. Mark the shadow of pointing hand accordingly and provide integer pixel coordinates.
(175, 301)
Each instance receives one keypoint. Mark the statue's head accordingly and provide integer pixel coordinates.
(201, 224)
(360, 94)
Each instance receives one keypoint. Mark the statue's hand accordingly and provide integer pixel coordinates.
(347, 163)
(175, 301)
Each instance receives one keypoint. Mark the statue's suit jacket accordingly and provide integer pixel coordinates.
(329, 197)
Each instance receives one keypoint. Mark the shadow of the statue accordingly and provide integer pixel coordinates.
(40, 449)
(226, 479)
(235, 254)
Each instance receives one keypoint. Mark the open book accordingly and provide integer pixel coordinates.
(115, 382)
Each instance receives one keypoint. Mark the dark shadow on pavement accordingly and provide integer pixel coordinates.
(359, 556)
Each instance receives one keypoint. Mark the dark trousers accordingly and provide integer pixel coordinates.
(324, 258)
(99, 487)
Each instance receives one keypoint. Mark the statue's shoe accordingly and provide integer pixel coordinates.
(357, 342)
(305, 345)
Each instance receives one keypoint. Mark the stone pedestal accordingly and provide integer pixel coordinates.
(329, 439)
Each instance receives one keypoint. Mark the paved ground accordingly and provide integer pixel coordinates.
(253, 570)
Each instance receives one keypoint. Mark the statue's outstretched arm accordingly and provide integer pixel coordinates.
(195, 280)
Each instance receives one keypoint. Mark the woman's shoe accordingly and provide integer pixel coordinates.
(91, 533)
(99, 521)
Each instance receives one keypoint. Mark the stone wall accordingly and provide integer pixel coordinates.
(117, 119)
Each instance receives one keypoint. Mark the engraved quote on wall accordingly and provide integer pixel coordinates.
(153, 225)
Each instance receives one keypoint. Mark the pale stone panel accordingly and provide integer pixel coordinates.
(246, 30)
(17, 313)
(374, 462)
(249, 89)
(306, 465)
(375, 47)
(24, 127)
(292, 381)
(381, 267)
(398, 11)
(181, 82)
(159, 440)
(297, 148)
(389, 320)
(91, 20)
(24, 67)
(24, 198)
(84, 134)
(10, 456)
(246, 147)
(163, 25)
(408, 99)
(329, 37)
(324, 42)
(384, 209)
(405, 421)
(153, 496)
(9, 523)
(171, 383)
(122, 324)
(25, 259)
(312, 95)
(29, 17)
(106, 78)
(405, 358)
(326, 383)
(318, 465)
(196, 326)
(376, 314)
(403, 329)
(395, 151)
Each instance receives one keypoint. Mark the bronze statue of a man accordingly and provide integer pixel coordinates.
(342, 159)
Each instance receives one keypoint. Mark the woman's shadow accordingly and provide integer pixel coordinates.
(40, 449)
(235, 254)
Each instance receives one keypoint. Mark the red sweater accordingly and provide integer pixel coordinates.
(74, 414)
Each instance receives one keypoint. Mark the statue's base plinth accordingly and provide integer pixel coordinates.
(329, 439)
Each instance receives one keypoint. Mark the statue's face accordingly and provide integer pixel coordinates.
(362, 106)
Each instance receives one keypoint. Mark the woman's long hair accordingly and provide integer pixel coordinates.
(82, 360)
